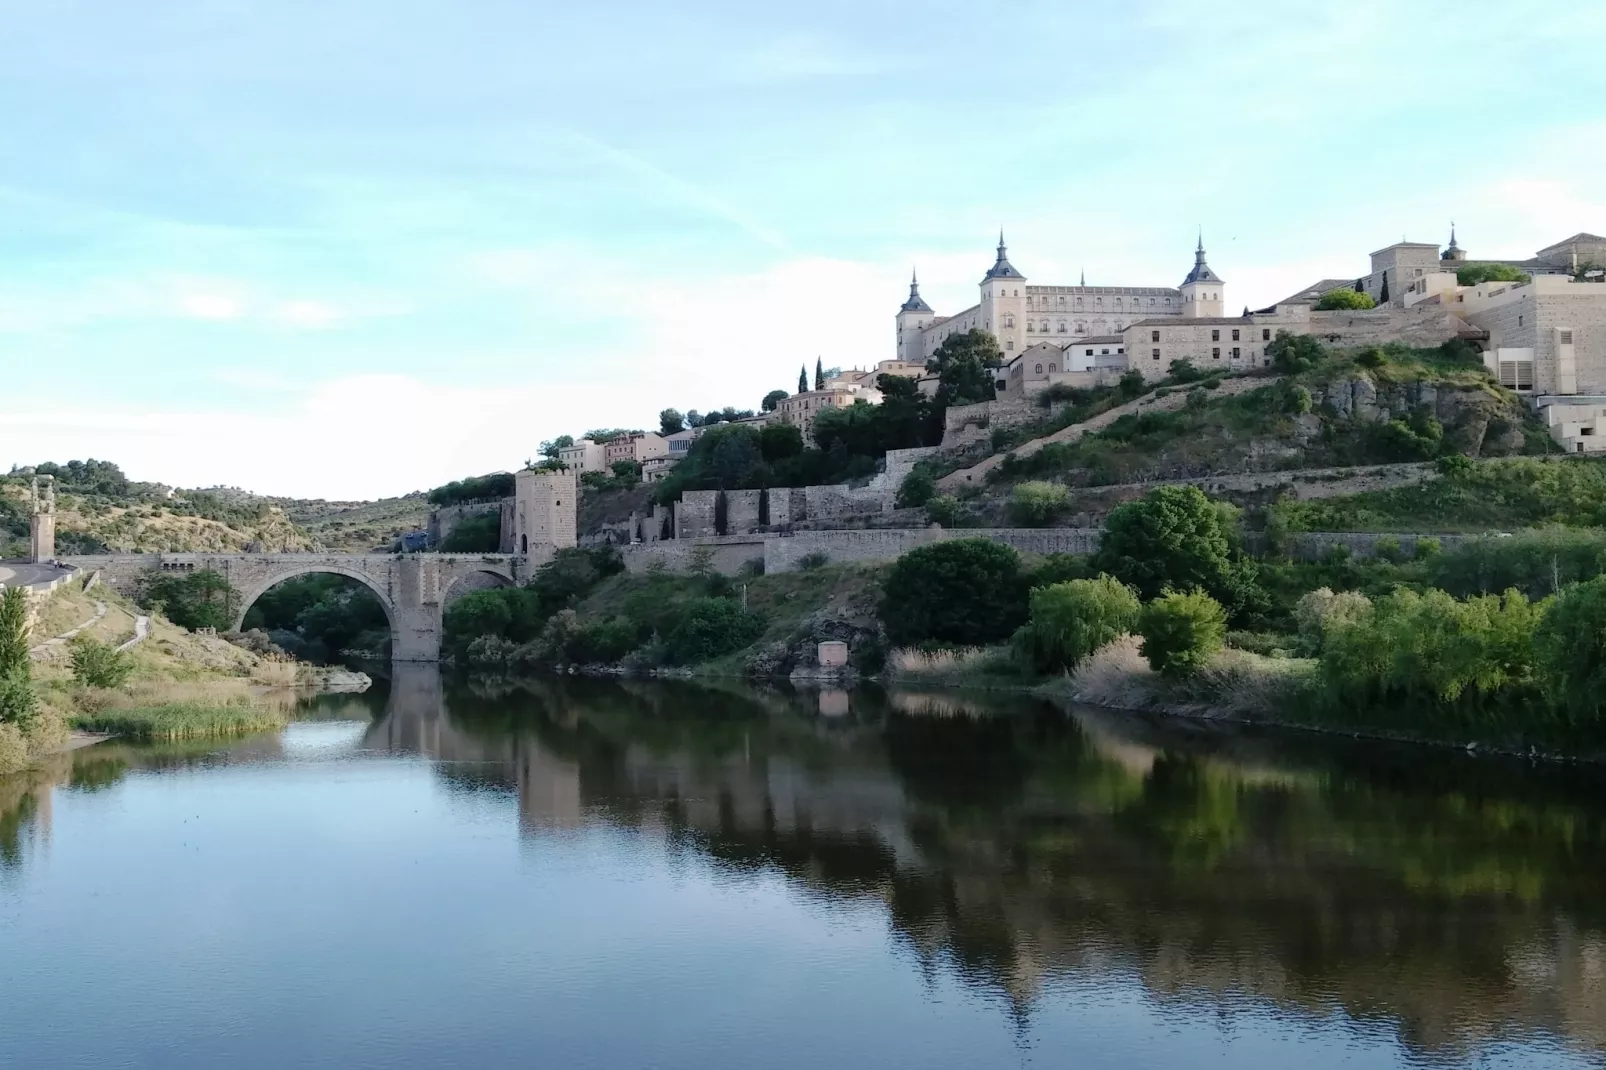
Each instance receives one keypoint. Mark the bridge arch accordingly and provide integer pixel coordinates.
(475, 578)
(262, 587)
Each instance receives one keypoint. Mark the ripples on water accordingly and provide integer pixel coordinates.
(582, 874)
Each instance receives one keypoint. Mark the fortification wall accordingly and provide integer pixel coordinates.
(443, 520)
(730, 553)
(742, 511)
(694, 516)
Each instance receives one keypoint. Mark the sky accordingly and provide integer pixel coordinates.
(342, 249)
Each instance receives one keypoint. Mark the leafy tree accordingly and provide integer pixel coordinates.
(192, 600)
(476, 614)
(1371, 358)
(626, 473)
(89, 477)
(1571, 645)
(694, 418)
(917, 489)
(1131, 384)
(1473, 274)
(670, 422)
(964, 365)
(802, 380)
(97, 664)
(708, 628)
(1037, 504)
(485, 488)
(1183, 371)
(777, 442)
(819, 374)
(1069, 621)
(963, 591)
(1175, 538)
(772, 400)
(1294, 353)
(1181, 632)
(552, 446)
(18, 704)
(1343, 299)
(480, 534)
(906, 418)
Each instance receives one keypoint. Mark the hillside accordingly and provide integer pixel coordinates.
(356, 527)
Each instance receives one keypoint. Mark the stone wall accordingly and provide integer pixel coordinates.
(730, 553)
(783, 554)
(742, 511)
(1314, 545)
(694, 515)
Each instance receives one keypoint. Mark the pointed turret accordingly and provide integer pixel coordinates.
(1201, 271)
(916, 303)
(1202, 289)
(1454, 251)
(1002, 268)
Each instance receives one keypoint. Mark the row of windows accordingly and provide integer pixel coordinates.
(1215, 353)
(1042, 304)
(1215, 335)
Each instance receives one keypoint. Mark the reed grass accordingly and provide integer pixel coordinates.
(182, 720)
(910, 662)
(1235, 683)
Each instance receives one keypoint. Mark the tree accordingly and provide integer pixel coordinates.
(1069, 621)
(626, 473)
(552, 446)
(963, 591)
(1184, 371)
(1294, 353)
(1571, 645)
(1343, 298)
(964, 365)
(671, 422)
(197, 600)
(917, 489)
(819, 374)
(802, 380)
(1181, 632)
(1383, 292)
(97, 664)
(694, 418)
(777, 442)
(708, 628)
(1175, 538)
(18, 704)
(772, 400)
(493, 486)
(1473, 274)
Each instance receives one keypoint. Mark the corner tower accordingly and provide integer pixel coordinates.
(1203, 289)
(913, 318)
(1003, 302)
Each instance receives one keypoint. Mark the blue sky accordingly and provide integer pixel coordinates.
(343, 249)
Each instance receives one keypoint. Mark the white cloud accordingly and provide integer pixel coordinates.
(309, 314)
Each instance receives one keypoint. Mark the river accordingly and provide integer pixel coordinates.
(595, 874)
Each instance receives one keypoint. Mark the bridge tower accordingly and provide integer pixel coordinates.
(42, 525)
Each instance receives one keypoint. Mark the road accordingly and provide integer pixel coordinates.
(21, 575)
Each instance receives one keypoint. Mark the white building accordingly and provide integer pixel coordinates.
(584, 456)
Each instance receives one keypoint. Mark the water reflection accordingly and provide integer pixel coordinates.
(1453, 902)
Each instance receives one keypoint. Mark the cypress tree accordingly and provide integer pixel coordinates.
(1383, 294)
(819, 374)
(803, 380)
(14, 632)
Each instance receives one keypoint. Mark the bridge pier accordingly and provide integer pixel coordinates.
(412, 588)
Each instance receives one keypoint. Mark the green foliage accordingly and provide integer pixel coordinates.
(1539, 563)
(671, 422)
(968, 592)
(772, 400)
(1183, 371)
(965, 365)
(917, 489)
(778, 442)
(474, 534)
(1294, 353)
(193, 600)
(1371, 358)
(181, 720)
(18, 704)
(496, 486)
(97, 664)
(1132, 385)
(327, 613)
(1473, 274)
(945, 510)
(1430, 651)
(552, 447)
(1177, 539)
(707, 628)
(1181, 632)
(810, 562)
(1036, 505)
(89, 477)
(603, 642)
(1343, 298)
(1069, 621)
(1571, 652)
(518, 614)
(1455, 466)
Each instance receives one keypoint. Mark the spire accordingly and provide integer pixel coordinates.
(915, 303)
(1002, 269)
(1201, 271)
(1084, 278)
(1454, 251)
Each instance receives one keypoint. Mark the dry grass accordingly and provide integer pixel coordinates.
(1235, 684)
(908, 661)
(274, 671)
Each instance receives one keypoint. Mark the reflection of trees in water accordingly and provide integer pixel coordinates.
(1454, 899)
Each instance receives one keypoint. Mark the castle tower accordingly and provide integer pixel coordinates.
(1453, 252)
(42, 525)
(1003, 302)
(1202, 289)
(544, 512)
(913, 317)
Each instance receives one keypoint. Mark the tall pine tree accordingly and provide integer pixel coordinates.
(16, 689)
(819, 374)
(803, 380)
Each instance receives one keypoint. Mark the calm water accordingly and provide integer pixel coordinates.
(599, 875)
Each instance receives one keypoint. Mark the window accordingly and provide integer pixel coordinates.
(1566, 338)
(1215, 354)
(1215, 336)
(1029, 327)
(1009, 343)
(1156, 354)
(1104, 350)
(1265, 334)
(1235, 334)
(1062, 326)
(1052, 368)
(524, 544)
(1154, 336)
(1519, 321)
(1151, 301)
(1078, 302)
(1234, 352)
(1168, 302)
(1039, 369)
(1090, 352)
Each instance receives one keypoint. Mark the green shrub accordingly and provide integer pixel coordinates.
(1571, 652)
(1371, 358)
(917, 489)
(809, 562)
(708, 628)
(18, 704)
(1181, 632)
(97, 664)
(1058, 568)
(1069, 621)
(1293, 353)
(1183, 371)
(967, 592)
(603, 641)
(1427, 547)
(1454, 466)
(1538, 562)
(474, 534)
(1345, 298)
(1473, 274)
(944, 509)
(1037, 504)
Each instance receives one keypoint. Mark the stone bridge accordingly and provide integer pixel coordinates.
(413, 588)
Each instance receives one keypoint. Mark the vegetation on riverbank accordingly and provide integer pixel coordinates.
(182, 720)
